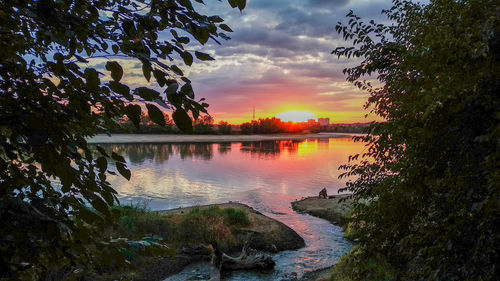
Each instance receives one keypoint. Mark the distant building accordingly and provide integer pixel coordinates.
(311, 122)
(324, 121)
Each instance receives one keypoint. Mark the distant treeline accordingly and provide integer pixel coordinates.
(346, 128)
(275, 126)
(205, 125)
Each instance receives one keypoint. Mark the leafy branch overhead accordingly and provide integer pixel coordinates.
(55, 194)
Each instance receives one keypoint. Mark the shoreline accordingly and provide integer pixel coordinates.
(152, 139)
(330, 209)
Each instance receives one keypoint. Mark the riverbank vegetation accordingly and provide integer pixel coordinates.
(159, 243)
(154, 237)
(426, 191)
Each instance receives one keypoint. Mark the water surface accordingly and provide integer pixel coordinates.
(266, 175)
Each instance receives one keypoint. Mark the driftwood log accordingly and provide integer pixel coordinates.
(248, 259)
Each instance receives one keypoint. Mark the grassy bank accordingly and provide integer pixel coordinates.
(161, 243)
(208, 225)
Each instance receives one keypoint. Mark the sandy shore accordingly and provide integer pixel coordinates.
(139, 138)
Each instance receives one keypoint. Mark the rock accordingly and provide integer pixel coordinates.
(332, 210)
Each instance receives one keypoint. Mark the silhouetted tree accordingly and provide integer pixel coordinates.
(54, 196)
(204, 125)
(224, 128)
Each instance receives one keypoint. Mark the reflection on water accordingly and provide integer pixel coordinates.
(266, 175)
(138, 153)
(270, 149)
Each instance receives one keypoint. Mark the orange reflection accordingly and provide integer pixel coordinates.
(205, 173)
(307, 147)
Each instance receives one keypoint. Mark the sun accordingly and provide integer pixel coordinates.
(296, 116)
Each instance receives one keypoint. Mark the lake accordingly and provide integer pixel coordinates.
(266, 175)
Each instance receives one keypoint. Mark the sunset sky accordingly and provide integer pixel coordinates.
(278, 60)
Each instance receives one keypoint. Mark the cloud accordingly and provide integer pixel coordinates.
(280, 54)
(328, 3)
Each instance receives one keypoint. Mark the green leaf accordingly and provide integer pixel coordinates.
(102, 164)
(147, 94)
(187, 57)
(58, 57)
(224, 36)
(117, 157)
(87, 215)
(101, 206)
(183, 121)
(115, 49)
(177, 70)
(108, 196)
(160, 77)
(129, 28)
(133, 112)
(203, 56)
(122, 169)
(92, 78)
(102, 151)
(233, 3)
(156, 114)
(146, 70)
(242, 4)
(215, 19)
(225, 27)
(183, 40)
(187, 90)
(237, 3)
(186, 4)
(121, 89)
(116, 70)
(203, 35)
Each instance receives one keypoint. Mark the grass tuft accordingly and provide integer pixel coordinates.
(198, 226)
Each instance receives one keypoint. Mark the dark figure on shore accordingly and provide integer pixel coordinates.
(322, 193)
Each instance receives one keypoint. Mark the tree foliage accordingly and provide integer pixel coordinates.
(55, 92)
(204, 125)
(273, 126)
(224, 128)
(427, 187)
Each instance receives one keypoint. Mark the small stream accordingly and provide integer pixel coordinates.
(324, 242)
(266, 175)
